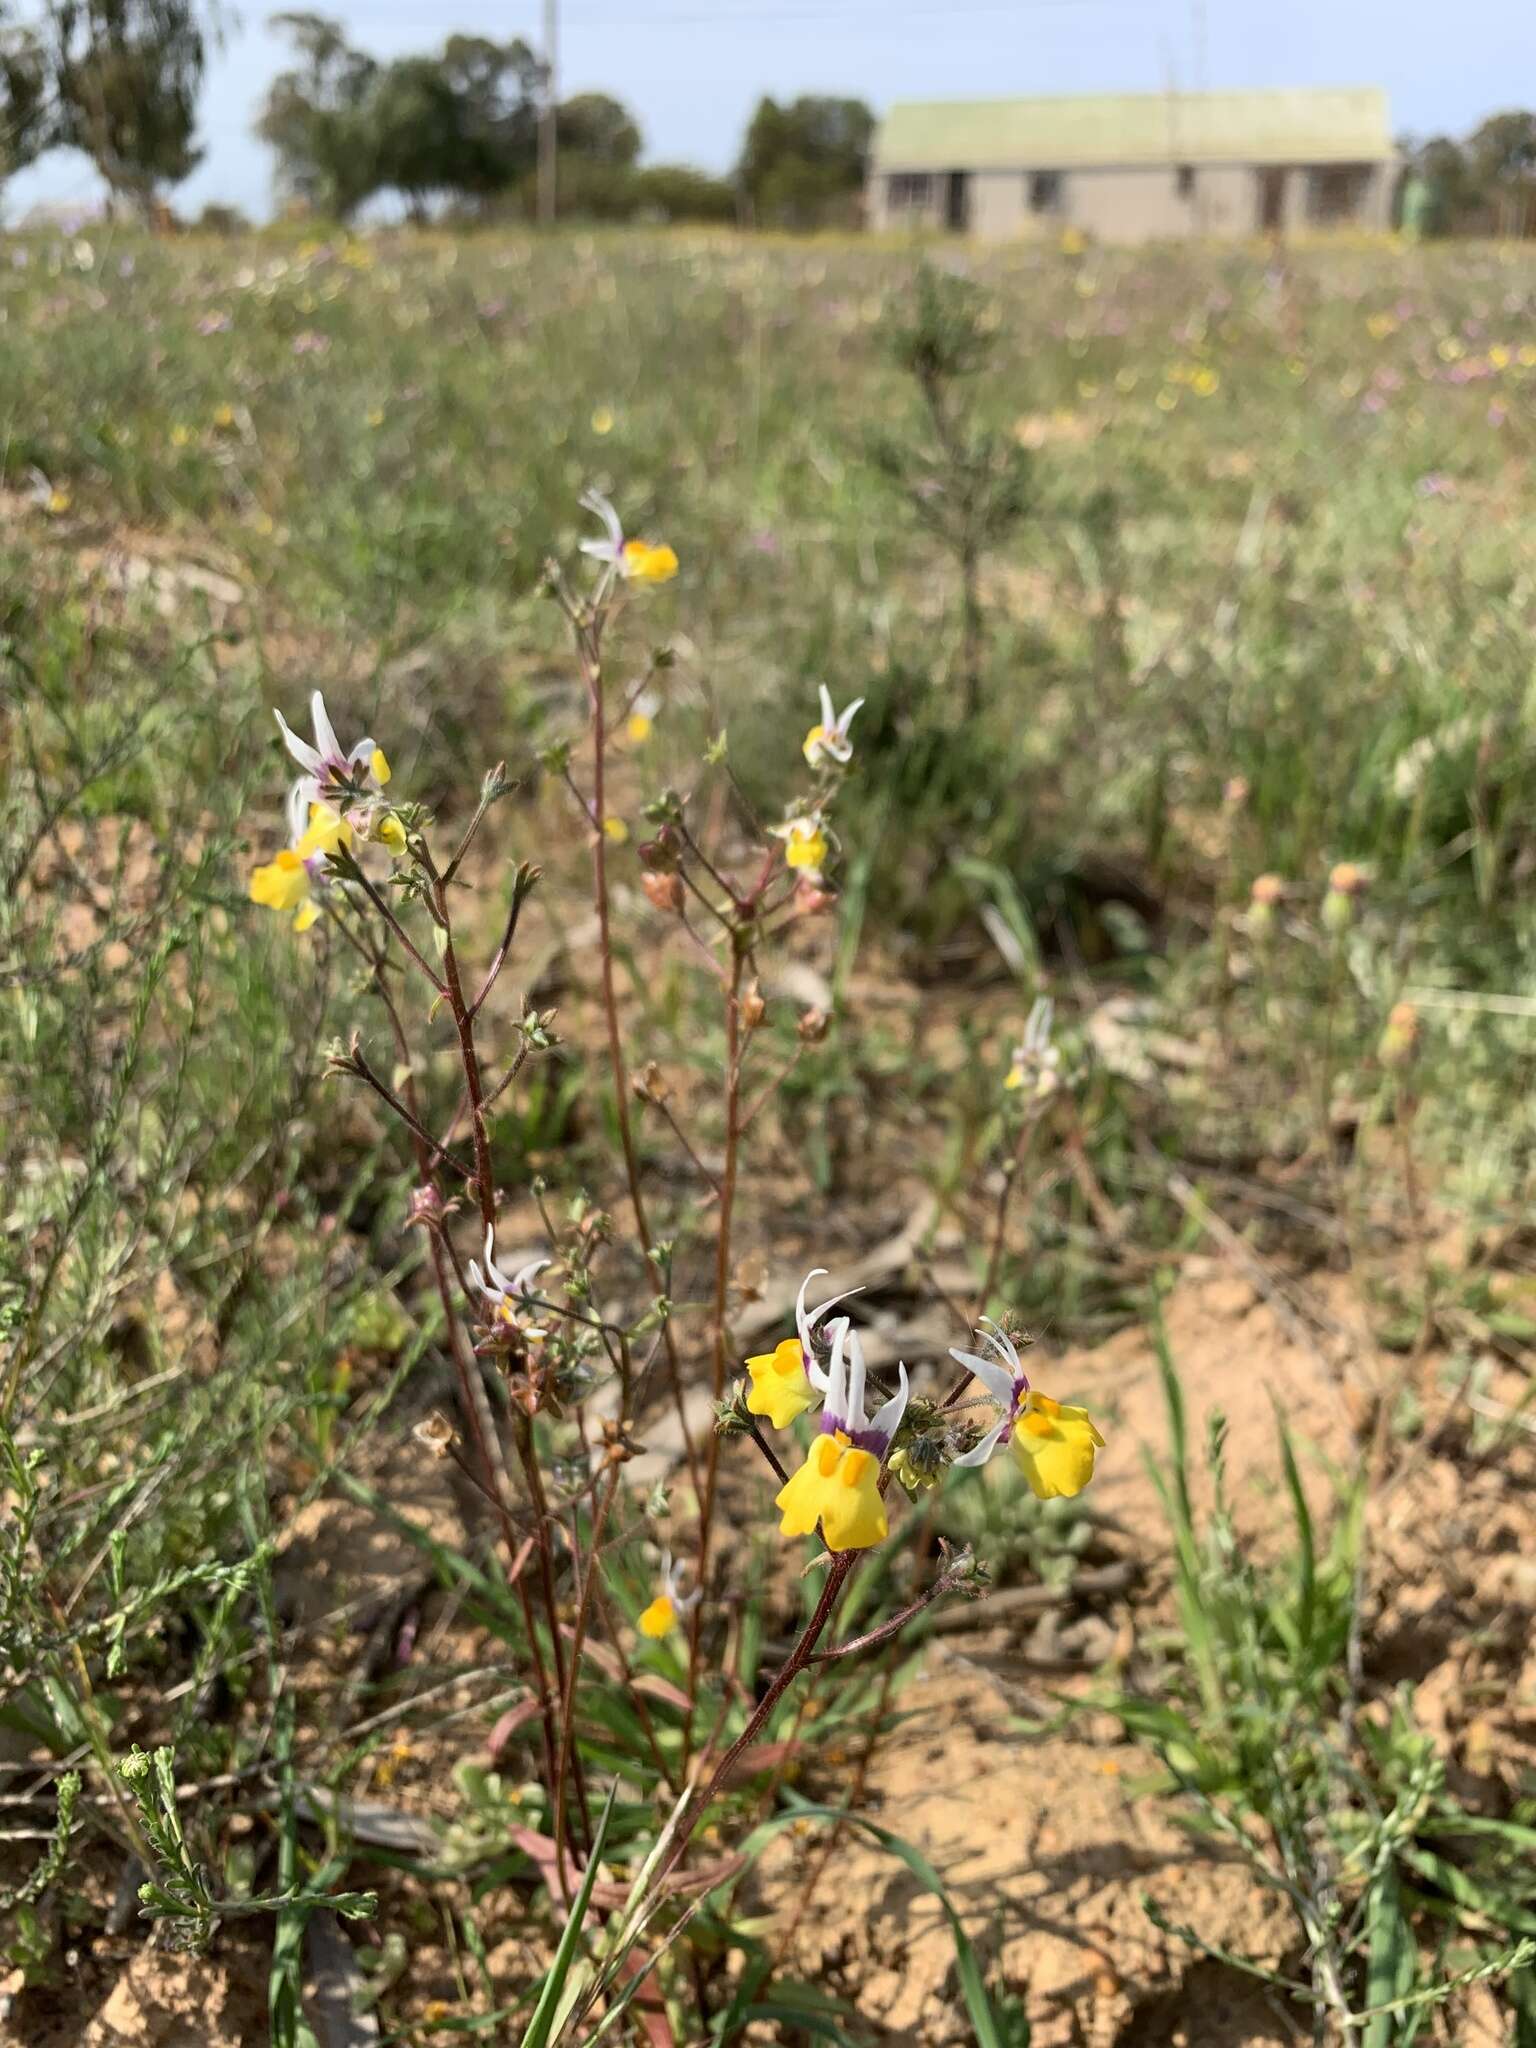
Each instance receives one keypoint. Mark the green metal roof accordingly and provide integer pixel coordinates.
(1343, 125)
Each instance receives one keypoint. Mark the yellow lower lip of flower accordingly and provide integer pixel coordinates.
(780, 1389)
(307, 914)
(815, 739)
(648, 562)
(282, 884)
(616, 830)
(807, 850)
(838, 1486)
(327, 830)
(659, 1619)
(378, 762)
(639, 728)
(391, 833)
(1054, 1447)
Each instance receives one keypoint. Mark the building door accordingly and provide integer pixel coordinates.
(1271, 201)
(957, 202)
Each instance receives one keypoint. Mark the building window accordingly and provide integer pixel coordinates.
(1336, 192)
(1045, 191)
(910, 191)
(1186, 181)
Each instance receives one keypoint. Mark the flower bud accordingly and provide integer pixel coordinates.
(812, 1027)
(663, 892)
(426, 1206)
(651, 1084)
(810, 897)
(434, 1433)
(919, 1465)
(1400, 1039)
(752, 1006)
(1338, 912)
(659, 856)
(1264, 899)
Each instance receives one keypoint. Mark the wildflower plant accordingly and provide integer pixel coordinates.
(561, 1355)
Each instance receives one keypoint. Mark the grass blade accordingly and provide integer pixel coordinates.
(540, 2029)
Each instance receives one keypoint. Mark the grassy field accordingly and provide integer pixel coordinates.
(1205, 570)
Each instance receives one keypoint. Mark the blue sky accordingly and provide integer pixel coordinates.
(692, 70)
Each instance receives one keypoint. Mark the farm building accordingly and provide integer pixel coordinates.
(1137, 167)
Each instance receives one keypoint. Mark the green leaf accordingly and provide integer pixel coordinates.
(541, 2028)
(1391, 1959)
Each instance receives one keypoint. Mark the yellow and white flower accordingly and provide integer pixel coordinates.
(670, 1603)
(789, 1379)
(829, 741)
(340, 777)
(839, 1483)
(636, 561)
(510, 1300)
(1036, 1064)
(289, 880)
(641, 722)
(805, 845)
(1053, 1445)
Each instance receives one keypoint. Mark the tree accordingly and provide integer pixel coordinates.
(597, 126)
(496, 89)
(1502, 156)
(462, 121)
(1502, 151)
(314, 117)
(24, 97)
(125, 76)
(412, 123)
(801, 162)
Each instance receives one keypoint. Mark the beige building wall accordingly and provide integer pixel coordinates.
(998, 210)
(1142, 203)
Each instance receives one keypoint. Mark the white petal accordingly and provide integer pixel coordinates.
(360, 756)
(325, 732)
(477, 1278)
(600, 550)
(999, 1341)
(524, 1277)
(301, 750)
(594, 502)
(998, 1382)
(836, 1401)
(1037, 1027)
(847, 718)
(985, 1448)
(300, 797)
(854, 1412)
(888, 1419)
(828, 717)
(804, 1323)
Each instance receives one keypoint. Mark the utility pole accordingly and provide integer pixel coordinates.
(547, 136)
